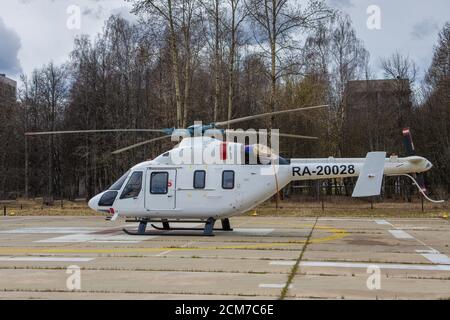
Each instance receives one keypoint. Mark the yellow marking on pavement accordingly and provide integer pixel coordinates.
(335, 235)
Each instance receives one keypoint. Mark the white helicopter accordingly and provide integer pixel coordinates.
(204, 178)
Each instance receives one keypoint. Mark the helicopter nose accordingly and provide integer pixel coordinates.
(93, 203)
(428, 165)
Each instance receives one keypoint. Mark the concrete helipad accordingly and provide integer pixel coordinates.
(263, 258)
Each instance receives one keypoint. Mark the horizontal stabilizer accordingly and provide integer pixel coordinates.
(371, 176)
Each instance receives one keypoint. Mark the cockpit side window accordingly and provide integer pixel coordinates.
(107, 199)
(133, 186)
(118, 184)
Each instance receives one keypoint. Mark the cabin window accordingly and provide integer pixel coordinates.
(158, 182)
(133, 186)
(118, 184)
(107, 199)
(228, 179)
(199, 179)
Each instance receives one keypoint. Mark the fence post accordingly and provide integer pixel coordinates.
(4, 211)
(421, 197)
(320, 195)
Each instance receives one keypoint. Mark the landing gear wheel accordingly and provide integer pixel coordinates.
(166, 225)
(226, 225)
(209, 226)
(142, 227)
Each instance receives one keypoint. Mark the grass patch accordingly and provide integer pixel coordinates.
(294, 269)
(339, 207)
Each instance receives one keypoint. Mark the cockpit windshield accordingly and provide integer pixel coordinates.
(118, 184)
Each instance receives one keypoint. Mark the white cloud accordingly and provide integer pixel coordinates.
(340, 3)
(424, 29)
(399, 20)
(9, 50)
(42, 26)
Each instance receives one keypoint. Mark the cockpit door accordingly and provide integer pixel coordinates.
(160, 189)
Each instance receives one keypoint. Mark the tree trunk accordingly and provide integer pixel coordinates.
(187, 84)
(231, 77)
(175, 66)
(273, 70)
(216, 62)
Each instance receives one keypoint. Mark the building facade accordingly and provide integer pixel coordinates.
(8, 88)
(10, 140)
(375, 112)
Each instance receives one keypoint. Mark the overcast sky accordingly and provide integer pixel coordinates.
(35, 32)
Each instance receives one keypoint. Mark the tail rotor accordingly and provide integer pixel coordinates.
(411, 151)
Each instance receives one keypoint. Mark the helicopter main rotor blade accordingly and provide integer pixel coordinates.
(297, 136)
(92, 131)
(139, 144)
(287, 135)
(223, 123)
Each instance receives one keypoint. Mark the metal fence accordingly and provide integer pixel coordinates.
(393, 188)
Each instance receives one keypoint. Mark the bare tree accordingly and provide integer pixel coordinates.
(46, 95)
(237, 14)
(278, 24)
(348, 60)
(227, 18)
(167, 12)
(398, 66)
(432, 117)
(215, 14)
(335, 52)
(404, 70)
(181, 18)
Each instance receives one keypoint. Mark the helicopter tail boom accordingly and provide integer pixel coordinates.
(331, 168)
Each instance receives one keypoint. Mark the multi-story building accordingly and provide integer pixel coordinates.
(7, 88)
(375, 111)
(9, 171)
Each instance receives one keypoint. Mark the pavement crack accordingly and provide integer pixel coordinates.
(294, 269)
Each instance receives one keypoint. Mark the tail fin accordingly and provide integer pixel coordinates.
(371, 175)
